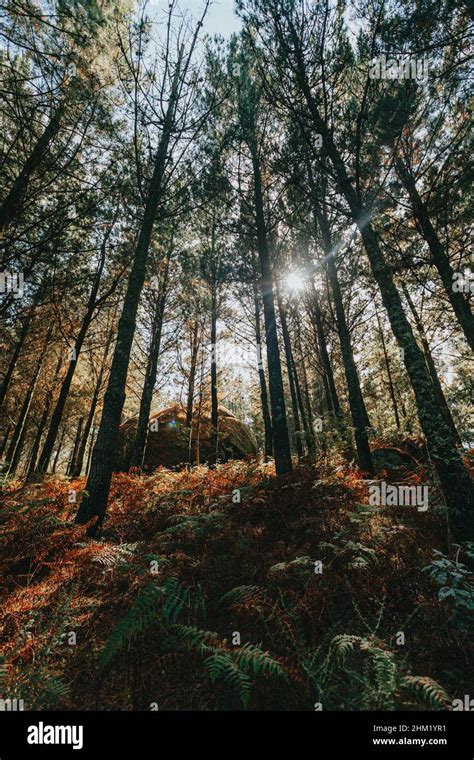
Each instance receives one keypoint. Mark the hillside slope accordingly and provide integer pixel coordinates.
(232, 589)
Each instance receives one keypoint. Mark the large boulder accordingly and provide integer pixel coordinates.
(393, 461)
(168, 439)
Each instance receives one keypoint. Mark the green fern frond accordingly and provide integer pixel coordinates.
(343, 644)
(241, 594)
(251, 657)
(176, 599)
(143, 613)
(54, 690)
(221, 665)
(194, 637)
(198, 524)
(139, 616)
(385, 670)
(427, 691)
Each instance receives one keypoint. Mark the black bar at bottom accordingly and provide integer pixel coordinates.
(314, 735)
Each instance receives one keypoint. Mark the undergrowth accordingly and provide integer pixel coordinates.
(298, 597)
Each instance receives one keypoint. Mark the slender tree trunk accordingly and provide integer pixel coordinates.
(311, 441)
(14, 455)
(431, 366)
(48, 446)
(94, 502)
(289, 366)
(299, 398)
(454, 479)
(139, 445)
(56, 417)
(459, 303)
(76, 468)
(192, 374)
(13, 361)
(389, 371)
(327, 394)
(11, 205)
(330, 385)
(5, 439)
(91, 449)
(16, 444)
(267, 422)
(194, 345)
(214, 397)
(58, 450)
(281, 441)
(37, 440)
(199, 410)
(77, 440)
(44, 418)
(360, 418)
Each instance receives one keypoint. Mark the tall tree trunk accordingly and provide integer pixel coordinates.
(139, 444)
(38, 436)
(310, 438)
(16, 444)
(267, 422)
(199, 410)
(192, 374)
(13, 361)
(455, 482)
(289, 366)
(91, 449)
(76, 468)
(297, 386)
(58, 449)
(360, 418)
(431, 366)
(94, 501)
(299, 398)
(214, 396)
(56, 417)
(5, 439)
(459, 303)
(328, 379)
(44, 418)
(327, 393)
(389, 371)
(11, 205)
(77, 440)
(194, 347)
(281, 441)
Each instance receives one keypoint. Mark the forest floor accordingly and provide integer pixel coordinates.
(300, 596)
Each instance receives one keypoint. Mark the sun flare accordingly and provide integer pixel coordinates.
(294, 282)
